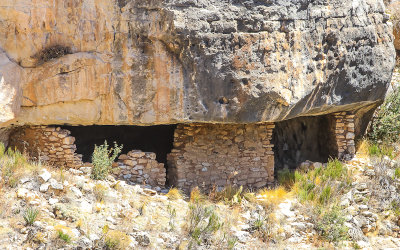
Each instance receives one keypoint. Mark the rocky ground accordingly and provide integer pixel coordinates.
(113, 214)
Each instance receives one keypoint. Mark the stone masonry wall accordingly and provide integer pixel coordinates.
(140, 167)
(52, 144)
(344, 131)
(205, 155)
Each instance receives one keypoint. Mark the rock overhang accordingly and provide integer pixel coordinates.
(178, 61)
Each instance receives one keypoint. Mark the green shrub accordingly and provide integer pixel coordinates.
(286, 178)
(325, 195)
(203, 221)
(373, 150)
(334, 170)
(386, 124)
(63, 236)
(103, 159)
(30, 216)
(330, 225)
(380, 150)
(397, 173)
(230, 195)
(321, 184)
(262, 226)
(172, 216)
(2, 149)
(306, 192)
(232, 243)
(396, 207)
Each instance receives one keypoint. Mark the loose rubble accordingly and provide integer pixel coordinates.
(68, 202)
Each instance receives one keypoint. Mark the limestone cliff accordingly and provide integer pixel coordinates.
(156, 62)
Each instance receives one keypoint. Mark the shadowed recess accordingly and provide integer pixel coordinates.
(156, 139)
(305, 138)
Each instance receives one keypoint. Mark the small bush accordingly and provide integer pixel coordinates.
(2, 149)
(64, 236)
(230, 195)
(99, 191)
(286, 178)
(102, 160)
(196, 195)
(334, 170)
(262, 226)
(397, 173)
(13, 165)
(331, 226)
(325, 195)
(395, 206)
(307, 193)
(30, 215)
(232, 243)
(202, 222)
(373, 148)
(386, 123)
(321, 184)
(172, 216)
(116, 240)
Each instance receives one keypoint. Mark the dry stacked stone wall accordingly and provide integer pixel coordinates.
(51, 144)
(207, 155)
(344, 131)
(140, 167)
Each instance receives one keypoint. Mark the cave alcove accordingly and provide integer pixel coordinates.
(157, 139)
(300, 139)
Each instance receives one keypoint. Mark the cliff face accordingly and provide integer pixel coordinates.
(157, 62)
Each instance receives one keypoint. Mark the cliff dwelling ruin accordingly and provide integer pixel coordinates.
(199, 154)
(251, 87)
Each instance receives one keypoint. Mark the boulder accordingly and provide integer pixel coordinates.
(44, 176)
(160, 62)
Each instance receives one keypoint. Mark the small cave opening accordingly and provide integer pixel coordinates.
(305, 138)
(157, 139)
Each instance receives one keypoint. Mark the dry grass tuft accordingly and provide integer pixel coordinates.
(116, 240)
(272, 197)
(14, 165)
(99, 191)
(196, 195)
(363, 148)
(174, 194)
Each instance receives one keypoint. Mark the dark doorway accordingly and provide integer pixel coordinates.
(305, 138)
(156, 139)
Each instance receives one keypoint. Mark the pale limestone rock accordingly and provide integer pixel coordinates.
(53, 201)
(55, 185)
(11, 78)
(159, 62)
(76, 191)
(44, 187)
(44, 176)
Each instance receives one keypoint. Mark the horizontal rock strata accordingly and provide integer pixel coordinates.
(161, 62)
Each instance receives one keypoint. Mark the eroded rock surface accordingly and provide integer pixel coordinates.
(155, 62)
